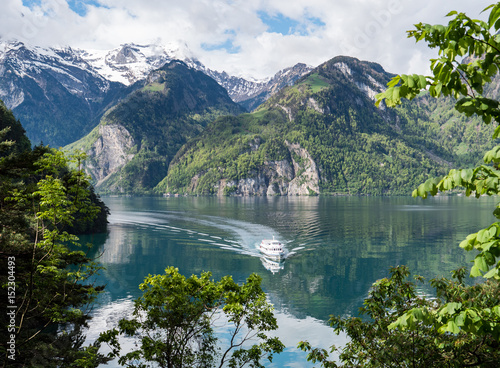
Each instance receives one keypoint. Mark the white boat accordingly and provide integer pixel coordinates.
(272, 248)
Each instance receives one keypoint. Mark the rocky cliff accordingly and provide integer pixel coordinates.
(109, 153)
(130, 150)
(296, 176)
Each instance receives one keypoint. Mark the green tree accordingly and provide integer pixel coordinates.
(44, 275)
(461, 327)
(375, 343)
(478, 44)
(175, 317)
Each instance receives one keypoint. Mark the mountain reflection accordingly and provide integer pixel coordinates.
(338, 246)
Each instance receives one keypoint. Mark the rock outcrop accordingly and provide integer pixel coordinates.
(110, 152)
(296, 177)
(306, 180)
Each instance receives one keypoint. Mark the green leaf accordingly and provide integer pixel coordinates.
(460, 320)
(489, 258)
(451, 308)
(466, 175)
(480, 263)
(465, 244)
(452, 327)
(395, 94)
(496, 133)
(496, 310)
(394, 81)
(411, 82)
(429, 185)
(475, 272)
(483, 236)
(494, 15)
(492, 232)
(488, 245)
(422, 82)
(491, 273)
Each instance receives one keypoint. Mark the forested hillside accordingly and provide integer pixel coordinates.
(130, 150)
(325, 135)
(44, 204)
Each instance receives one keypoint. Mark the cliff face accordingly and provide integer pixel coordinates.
(110, 152)
(296, 176)
(130, 150)
(306, 180)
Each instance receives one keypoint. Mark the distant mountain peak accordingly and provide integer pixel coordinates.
(369, 77)
(52, 86)
(130, 62)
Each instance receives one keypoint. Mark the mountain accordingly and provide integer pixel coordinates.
(131, 148)
(53, 92)
(250, 94)
(51, 89)
(312, 130)
(324, 135)
(131, 63)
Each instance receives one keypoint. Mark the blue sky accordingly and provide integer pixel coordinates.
(80, 7)
(281, 24)
(252, 38)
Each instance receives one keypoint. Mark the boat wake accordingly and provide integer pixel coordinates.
(240, 236)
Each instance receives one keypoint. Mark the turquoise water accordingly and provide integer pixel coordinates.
(337, 248)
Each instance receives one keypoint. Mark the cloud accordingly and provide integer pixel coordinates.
(251, 38)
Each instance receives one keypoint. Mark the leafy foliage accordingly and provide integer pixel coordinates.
(375, 343)
(461, 326)
(479, 41)
(174, 322)
(41, 201)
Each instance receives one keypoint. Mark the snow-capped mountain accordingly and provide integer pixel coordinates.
(55, 94)
(59, 94)
(251, 94)
(18, 61)
(130, 62)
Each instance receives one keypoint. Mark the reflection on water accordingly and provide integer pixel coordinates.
(290, 330)
(337, 248)
(272, 265)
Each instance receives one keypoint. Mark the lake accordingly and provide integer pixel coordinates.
(338, 246)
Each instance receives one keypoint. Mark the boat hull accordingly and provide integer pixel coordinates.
(272, 248)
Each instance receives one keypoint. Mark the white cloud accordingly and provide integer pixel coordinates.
(373, 30)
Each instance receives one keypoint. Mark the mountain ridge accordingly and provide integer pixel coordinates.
(50, 88)
(314, 131)
(131, 148)
(324, 135)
